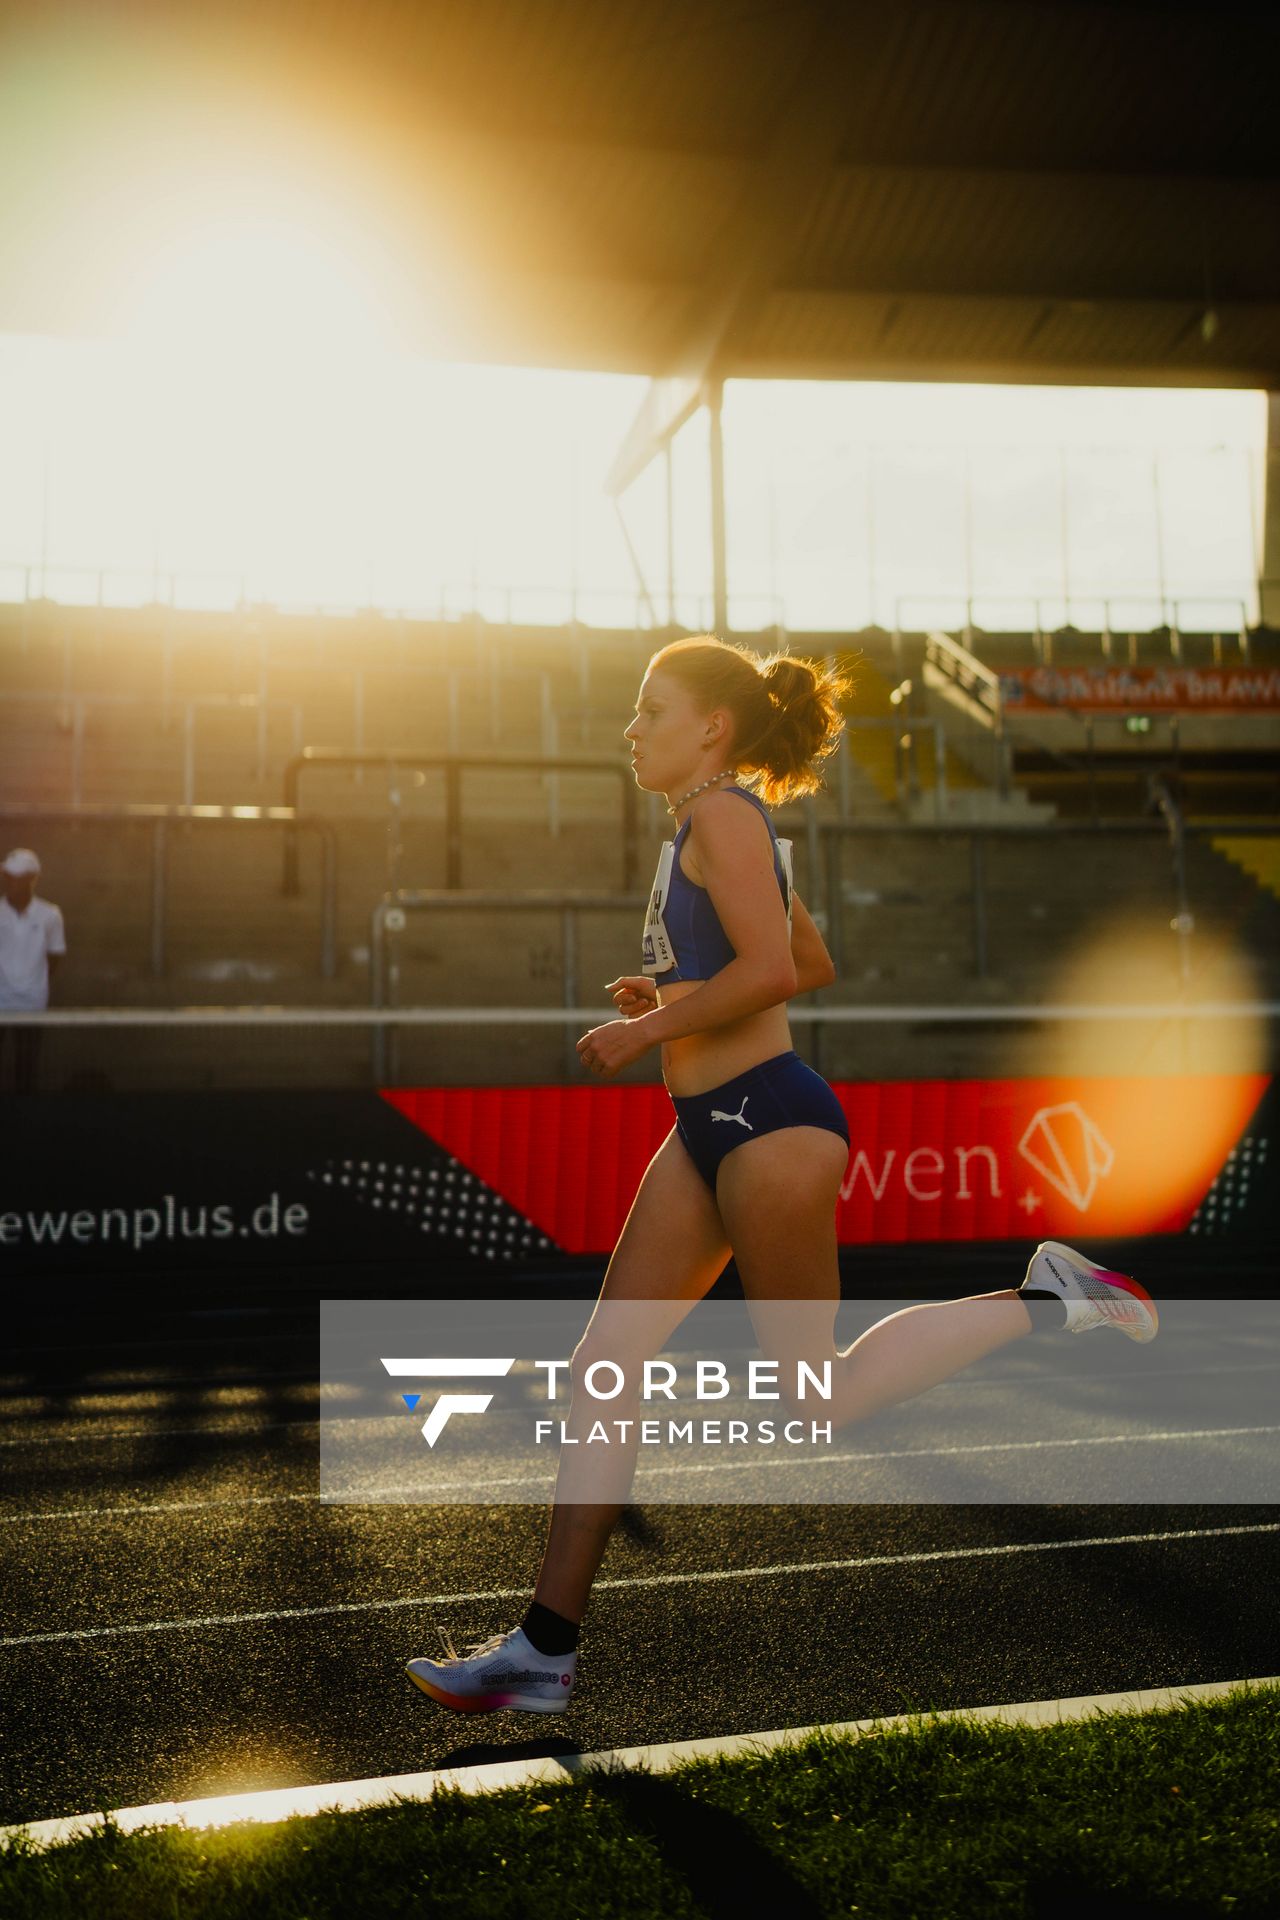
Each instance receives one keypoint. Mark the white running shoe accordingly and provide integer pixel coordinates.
(504, 1671)
(1093, 1296)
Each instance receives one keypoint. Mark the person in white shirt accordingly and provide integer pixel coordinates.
(32, 942)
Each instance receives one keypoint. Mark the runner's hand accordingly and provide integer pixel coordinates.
(606, 1050)
(633, 994)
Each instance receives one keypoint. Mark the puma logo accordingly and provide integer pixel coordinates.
(717, 1115)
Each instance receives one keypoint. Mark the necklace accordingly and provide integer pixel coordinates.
(695, 791)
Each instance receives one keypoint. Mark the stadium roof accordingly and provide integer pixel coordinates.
(1022, 190)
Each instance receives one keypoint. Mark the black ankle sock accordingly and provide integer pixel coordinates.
(549, 1632)
(1040, 1314)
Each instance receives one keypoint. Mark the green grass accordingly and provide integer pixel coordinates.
(1176, 1812)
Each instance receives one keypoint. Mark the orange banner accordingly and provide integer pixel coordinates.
(1143, 689)
(929, 1160)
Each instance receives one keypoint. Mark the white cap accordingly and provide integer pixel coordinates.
(21, 860)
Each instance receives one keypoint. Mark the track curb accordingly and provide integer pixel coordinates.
(346, 1796)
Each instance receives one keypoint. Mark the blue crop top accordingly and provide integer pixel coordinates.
(683, 937)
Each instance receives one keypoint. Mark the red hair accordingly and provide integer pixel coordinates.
(786, 712)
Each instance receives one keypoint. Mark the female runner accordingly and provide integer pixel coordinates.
(754, 1162)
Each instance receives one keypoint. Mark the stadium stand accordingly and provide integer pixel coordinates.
(107, 709)
(1077, 756)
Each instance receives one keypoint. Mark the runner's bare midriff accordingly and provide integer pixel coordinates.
(699, 1061)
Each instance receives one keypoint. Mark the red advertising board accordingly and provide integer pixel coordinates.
(929, 1160)
(446, 1180)
(1121, 689)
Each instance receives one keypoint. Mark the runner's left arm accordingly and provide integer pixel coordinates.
(814, 965)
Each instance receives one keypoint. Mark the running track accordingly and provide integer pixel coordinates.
(183, 1618)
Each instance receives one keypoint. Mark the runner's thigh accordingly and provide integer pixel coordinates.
(777, 1196)
(672, 1249)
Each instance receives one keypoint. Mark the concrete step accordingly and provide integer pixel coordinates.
(1260, 859)
(979, 806)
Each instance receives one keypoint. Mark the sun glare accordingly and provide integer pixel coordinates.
(258, 411)
(255, 288)
(1128, 958)
(269, 256)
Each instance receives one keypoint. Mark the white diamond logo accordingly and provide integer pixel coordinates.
(1067, 1149)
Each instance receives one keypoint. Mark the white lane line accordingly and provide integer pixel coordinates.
(272, 1426)
(345, 1796)
(941, 1453)
(13, 1387)
(105, 1381)
(775, 1463)
(269, 1426)
(22, 1390)
(372, 1495)
(232, 1337)
(160, 1433)
(634, 1583)
(1027, 1378)
(158, 1506)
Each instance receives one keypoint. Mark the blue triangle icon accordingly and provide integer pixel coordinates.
(411, 1400)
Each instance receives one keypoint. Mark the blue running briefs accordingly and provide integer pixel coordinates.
(781, 1092)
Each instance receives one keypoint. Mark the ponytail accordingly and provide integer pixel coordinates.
(804, 728)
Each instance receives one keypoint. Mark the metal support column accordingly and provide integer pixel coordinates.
(834, 900)
(189, 754)
(719, 577)
(977, 882)
(453, 823)
(159, 877)
(1161, 799)
(77, 751)
(569, 947)
(395, 827)
(669, 476)
(1267, 520)
(328, 905)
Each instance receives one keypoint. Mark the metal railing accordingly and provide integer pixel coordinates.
(454, 602)
(584, 716)
(513, 603)
(252, 635)
(980, 689)
(161, 818)
(964, 670)
(1180, 1014)
(451, 678)
(1171, 617)
(73, 715)
(388, 919)
(454, 765)
(74, 710)
(566, 1016)
(837, 832)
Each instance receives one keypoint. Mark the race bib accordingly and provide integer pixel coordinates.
(657, 953)
(784, 848)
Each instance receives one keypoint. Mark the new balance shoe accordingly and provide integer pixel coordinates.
(504, 1671)
(1093, 1296)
